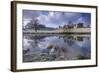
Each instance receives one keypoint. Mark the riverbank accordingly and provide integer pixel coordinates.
(61, 31)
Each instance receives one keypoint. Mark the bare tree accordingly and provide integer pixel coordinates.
(35, 24)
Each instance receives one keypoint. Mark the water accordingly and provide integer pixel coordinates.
(56, 47)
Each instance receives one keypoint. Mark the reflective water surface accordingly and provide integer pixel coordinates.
(56, 47)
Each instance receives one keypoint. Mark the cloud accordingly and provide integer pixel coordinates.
(71, 14)
(43, 19)
(51, 14)
(54, 19)
(61, 18)
(30, 14)
(79, 20)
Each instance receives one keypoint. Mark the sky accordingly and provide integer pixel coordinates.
(55, 19)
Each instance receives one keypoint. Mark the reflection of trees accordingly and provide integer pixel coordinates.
(37, 39)
(35, 43)
(33, 36)
(34, 39)
(78, 38)
(68, 40)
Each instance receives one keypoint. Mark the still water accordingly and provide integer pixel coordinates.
(56, 47)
